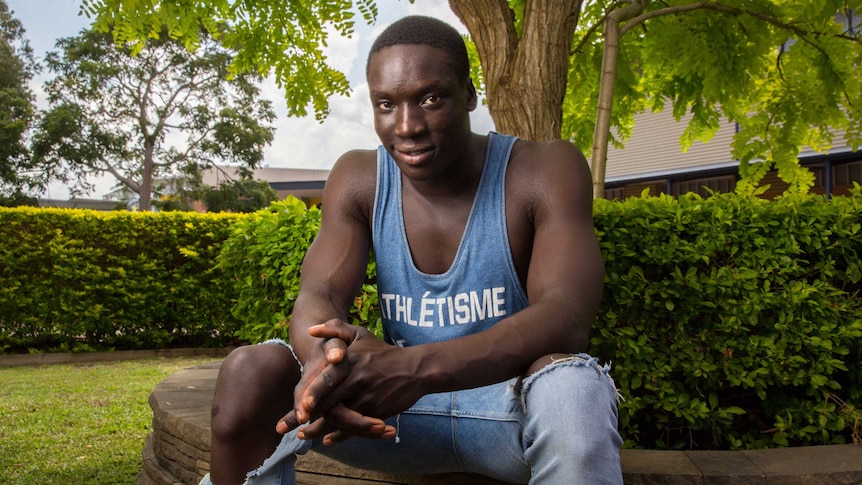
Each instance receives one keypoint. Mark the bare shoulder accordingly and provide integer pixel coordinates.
(554, 172)
(548, 156)
(351, 183)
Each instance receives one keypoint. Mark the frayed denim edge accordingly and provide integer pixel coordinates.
(577, 360)
(281, 342)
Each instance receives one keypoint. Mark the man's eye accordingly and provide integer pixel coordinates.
(431, 100)
(384, 105)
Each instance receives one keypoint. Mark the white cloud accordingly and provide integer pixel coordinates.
(341, 52)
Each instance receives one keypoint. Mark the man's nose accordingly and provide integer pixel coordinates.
(411, 121)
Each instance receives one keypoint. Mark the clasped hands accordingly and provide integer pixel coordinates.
(350, 383)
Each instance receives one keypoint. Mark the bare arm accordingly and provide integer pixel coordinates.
(334, 267)
(332, 273)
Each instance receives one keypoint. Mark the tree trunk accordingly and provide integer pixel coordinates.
(525, 79)
(599, 161)
(145, 195)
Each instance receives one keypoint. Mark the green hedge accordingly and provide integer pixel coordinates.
(731, 322)
(263, 258)
(82, 280)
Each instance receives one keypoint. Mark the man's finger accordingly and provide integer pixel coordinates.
(347, 423)
(301, 412)
(318, 395)
(315, 429)
(334, 329)
(334, 349)
(336, 436)
(287, 423)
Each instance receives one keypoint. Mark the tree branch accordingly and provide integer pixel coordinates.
(595, 27)
(128, 182)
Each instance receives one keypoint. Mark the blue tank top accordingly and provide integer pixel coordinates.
(478, 290)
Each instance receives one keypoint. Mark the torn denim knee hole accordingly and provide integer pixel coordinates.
(254, 473)
(278, 341)
(574, 360)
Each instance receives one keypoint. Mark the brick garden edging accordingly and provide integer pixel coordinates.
(14, 360)
(177, 451)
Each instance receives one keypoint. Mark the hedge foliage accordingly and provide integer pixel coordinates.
(80, 280)
(263, 258)
(731, 322)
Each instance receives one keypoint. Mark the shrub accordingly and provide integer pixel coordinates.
(80, 279)
(733, 322)
(263, 257)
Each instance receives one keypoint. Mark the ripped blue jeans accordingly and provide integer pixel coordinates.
(557, 426)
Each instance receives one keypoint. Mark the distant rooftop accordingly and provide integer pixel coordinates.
(94, 204)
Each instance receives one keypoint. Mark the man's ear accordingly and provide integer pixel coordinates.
(472, 97)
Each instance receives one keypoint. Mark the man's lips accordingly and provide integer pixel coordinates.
(413, 155)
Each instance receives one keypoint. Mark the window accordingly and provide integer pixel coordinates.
(724, 183)
(847, 173)
(615, 193)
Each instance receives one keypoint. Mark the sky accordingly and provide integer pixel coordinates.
(299, 142)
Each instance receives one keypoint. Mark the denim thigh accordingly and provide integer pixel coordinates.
(476, 430)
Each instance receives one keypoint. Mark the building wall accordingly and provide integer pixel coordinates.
(93, 204)
(304, 184)
(654, 147)
(653, 159)
(270, 174)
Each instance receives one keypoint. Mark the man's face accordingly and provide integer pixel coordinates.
(421, 108)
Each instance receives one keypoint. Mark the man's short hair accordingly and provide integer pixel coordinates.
(418, 29)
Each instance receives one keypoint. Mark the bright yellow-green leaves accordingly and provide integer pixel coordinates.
(119, 279)
(785, 70)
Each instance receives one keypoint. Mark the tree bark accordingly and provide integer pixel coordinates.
(612, 34)
(145, 195)
(525, 78)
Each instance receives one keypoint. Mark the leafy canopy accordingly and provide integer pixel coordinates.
(786, 71)
(17, 67)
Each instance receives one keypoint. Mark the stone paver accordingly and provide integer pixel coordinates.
(177, 452)
(646, 467)
(720, 467)
(833, 465)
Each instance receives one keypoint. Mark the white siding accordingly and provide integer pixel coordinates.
(654, 148)
(654, 151)
(270, 174)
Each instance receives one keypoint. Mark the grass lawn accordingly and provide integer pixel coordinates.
(78, 423)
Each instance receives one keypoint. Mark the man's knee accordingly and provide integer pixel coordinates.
(572, 396)
(259, 363)
(254, 383)
(579, 374)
